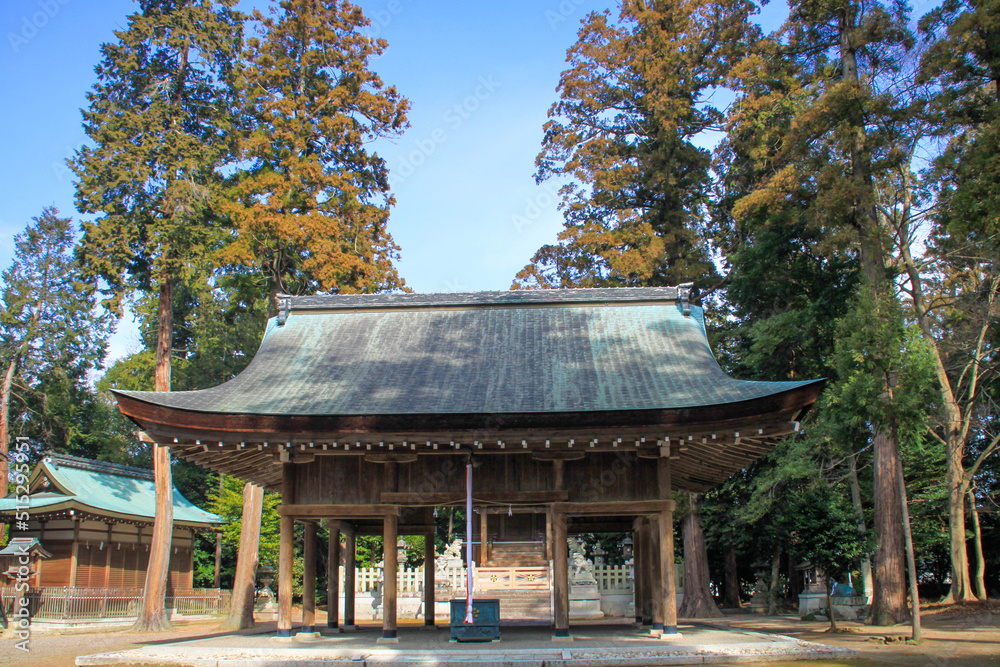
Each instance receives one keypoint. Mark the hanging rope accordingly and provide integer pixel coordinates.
(469, 619)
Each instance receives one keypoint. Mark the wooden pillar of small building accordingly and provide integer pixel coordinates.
(350, 546)
(189, 583)
(107, 560)
(560, 576)
(38, 561)
(429, 569)
(389, 577)
(333, 575)
(285, 552)
(668, 594)
(309, 578)
(74, 551)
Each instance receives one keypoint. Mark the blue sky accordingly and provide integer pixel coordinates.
(480, 78)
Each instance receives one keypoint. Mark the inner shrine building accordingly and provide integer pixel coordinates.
(581, 410)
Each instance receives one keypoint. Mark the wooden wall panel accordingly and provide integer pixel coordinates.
(599, 477)
(55, 570)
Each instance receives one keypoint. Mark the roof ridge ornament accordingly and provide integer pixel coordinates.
(684, 297)
(284, 307)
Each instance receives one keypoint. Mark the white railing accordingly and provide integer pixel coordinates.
(512, 578)
(613, 577)
(369, 579)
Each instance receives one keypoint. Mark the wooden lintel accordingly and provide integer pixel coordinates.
(391, 457)
(549, 455)
(337, 511)
(623, 508)
(447, 498)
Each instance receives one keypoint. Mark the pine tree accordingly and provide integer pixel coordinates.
(310, 202)
(956, 307)
(821, 164)
(51, 333)
(622, 137)
(158, 119)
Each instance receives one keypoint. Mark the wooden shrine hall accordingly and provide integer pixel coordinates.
(583, 406)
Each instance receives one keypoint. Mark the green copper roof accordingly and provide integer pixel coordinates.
(104, 489)
(480, 353)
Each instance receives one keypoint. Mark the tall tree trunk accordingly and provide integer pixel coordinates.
(732, 599)
(980, 578)
(772, 593)
(8, 379)
(911, 561)
(153, 617)
(698, 602)
(955, 424)
(241, 609)
(859, 512)
(889, 599)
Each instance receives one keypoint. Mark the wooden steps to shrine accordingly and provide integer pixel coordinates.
(517, 554)
(523, 605)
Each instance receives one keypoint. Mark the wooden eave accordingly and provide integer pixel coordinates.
(708, 443)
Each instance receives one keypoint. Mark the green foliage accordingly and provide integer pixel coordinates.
(160, 119)
(623, 139)
(886, 370)
(309, 201)
(51, 336)
(226, 500)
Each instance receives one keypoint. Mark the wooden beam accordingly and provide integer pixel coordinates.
(449, 498)
(619, 508)
(337, 511)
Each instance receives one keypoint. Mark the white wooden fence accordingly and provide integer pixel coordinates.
(609, 577)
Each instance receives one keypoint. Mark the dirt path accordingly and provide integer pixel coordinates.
(952, 635)
(960, 635)
(48, 649)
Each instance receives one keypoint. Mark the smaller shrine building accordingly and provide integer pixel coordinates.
(95, 522)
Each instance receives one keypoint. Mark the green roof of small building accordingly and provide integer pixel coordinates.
(479, 353)
(63, 482)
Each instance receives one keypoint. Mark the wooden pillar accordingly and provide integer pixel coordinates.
(656, 589)
(333, 575)
(309, 578)
(350, 545)
(389, 575)
(218, 559)
(647, 573)
(74, 553)
(483, 546)
(560, 576)
(429, 569)
(548, 534)
(107, 561)
(285, 552)
(668, 594)
(636, 569)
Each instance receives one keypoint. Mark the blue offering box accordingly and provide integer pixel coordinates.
(486, 623)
